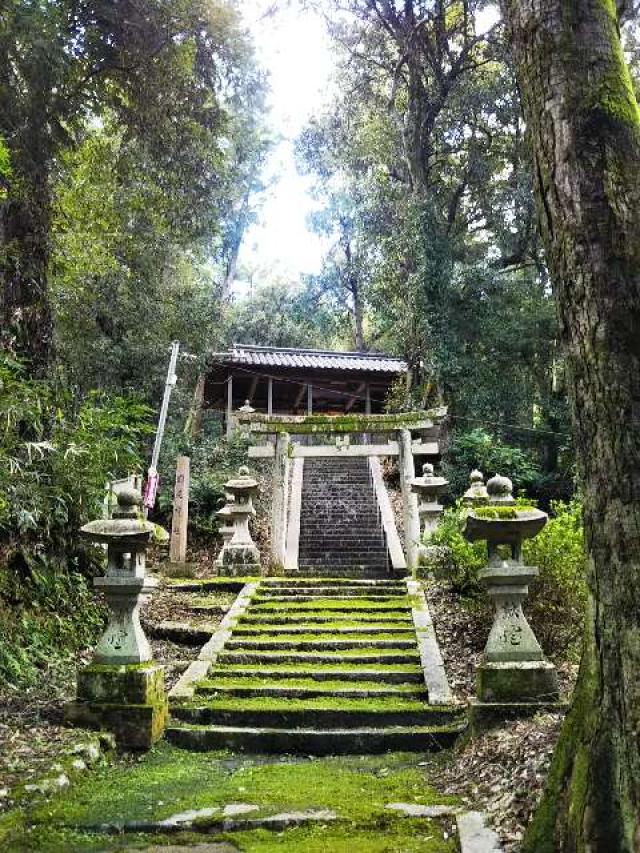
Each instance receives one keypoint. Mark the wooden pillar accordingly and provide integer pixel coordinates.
(309, 399)
(280, 501)
(409, 499)
(178, 545)
(230, 404)
(367, 399)
(270, 396)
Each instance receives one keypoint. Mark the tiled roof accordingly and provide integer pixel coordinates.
(255, 356)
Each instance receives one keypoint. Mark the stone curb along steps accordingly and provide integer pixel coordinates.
(319, 666)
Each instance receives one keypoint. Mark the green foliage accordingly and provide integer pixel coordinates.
(479, 449)
(214, 459)
(460, 560)
(55, 458)
(304, 318)
(559, 595)
(45, 616)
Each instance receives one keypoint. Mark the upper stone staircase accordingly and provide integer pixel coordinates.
(340, 528)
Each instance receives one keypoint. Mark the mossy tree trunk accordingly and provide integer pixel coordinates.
(585, 131)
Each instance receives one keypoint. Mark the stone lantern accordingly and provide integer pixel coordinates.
(226, 528)
(241, 556)
(122, 688)
(429, 487)
(514, 672)
(477, 492)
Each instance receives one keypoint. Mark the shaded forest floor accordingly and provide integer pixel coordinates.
(501, 772)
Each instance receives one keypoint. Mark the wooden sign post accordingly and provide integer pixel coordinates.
(178, 546)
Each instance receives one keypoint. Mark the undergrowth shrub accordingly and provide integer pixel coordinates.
(479, 449)
(214, 460)
(56, 454)
(559, 594)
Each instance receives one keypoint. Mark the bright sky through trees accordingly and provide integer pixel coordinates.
(293, 46)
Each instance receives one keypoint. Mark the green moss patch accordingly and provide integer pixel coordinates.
(169, 780)
(390, 836)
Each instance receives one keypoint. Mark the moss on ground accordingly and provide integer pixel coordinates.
(169, 780)
(391, 836)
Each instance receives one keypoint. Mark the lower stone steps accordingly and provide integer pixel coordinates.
(365, 656)
(259, 630)
(318, 712)
(321, 644)
(308, 689)
(316, 741)
(382, 674)
(318, 668)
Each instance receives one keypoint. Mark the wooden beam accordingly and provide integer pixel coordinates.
(252, 389)
(300, 395)
(352, 400)
(230, 404)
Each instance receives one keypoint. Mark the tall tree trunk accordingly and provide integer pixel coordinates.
(358, 315)
(585, 128)
(25, 311)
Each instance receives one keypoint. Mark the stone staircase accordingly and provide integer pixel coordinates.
(318, 666)
(340, 529)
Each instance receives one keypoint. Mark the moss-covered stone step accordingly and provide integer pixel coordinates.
(390, 597)
(324, 712)
(323, 642)
(307, 688)
(364, 656)
(325, 581)
(315, 631)
(318, 617)
(316, 741)
(324, 591)
(346, 605)
(382, 673)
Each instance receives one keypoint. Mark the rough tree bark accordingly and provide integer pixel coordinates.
(584, 123)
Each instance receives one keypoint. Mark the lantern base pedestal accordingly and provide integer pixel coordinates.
(517, 681)
(129, 701)
(487, 715)
(512, 689)
(239, 561)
